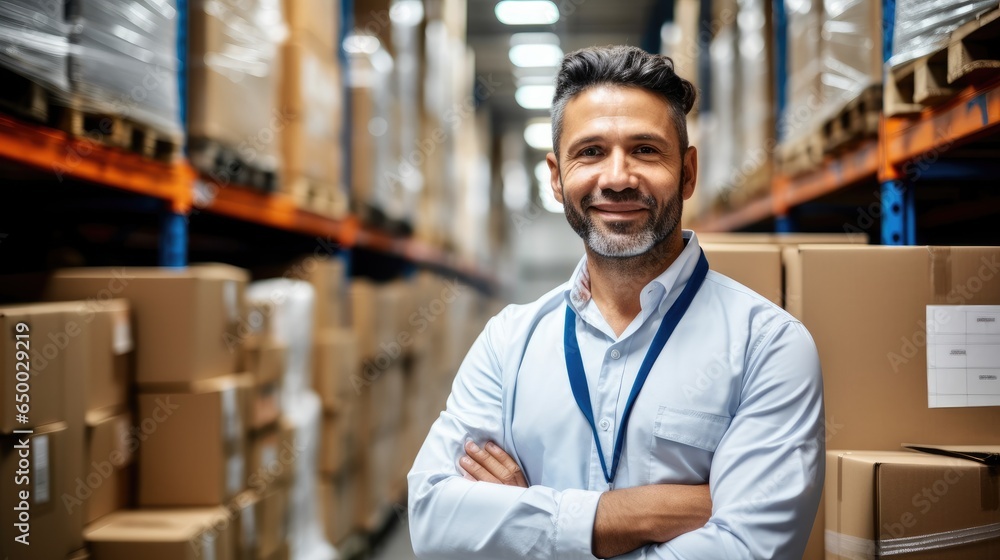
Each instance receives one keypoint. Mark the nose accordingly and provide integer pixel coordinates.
(617, 174)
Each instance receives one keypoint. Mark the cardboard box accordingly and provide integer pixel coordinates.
(263, 406)
(865, 307)
(112, 344)
(339, 441)
(272, 521)
(328, 276)
(910, 505)
(106, 484)
(194, 449)
(312, 95)
(362, 296)
(785, 239)
(337, 500)
(314, 20)
(186, 319)
(176, 534)
(54, 460)
(82, 554)
(335, 367)
(38, 347)
(271, 457)
(232, 102)
(757, 267)
(266, 361)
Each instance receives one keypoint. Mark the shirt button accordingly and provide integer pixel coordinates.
(605, 424)
(615, 354)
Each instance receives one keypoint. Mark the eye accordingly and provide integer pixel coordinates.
(590, 152)
(647, 150)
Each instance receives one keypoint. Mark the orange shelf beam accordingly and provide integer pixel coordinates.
(975, 111)
(751, 213)
(272, 210)
(63, 155)
(845, 170)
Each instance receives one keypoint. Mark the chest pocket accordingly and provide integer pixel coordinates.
(683, 443)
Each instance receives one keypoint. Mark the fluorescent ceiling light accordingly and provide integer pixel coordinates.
(527, 12)
(534, 97)
(535, 56)
(407, 13)
(538, 135)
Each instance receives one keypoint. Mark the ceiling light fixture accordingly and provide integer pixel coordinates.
(535, 56)
(527, 12)
(538, 135)
(534, 97)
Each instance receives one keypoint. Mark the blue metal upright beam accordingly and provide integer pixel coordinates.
(174, 240)
(784, 224)
(898, 214)
(780, 30)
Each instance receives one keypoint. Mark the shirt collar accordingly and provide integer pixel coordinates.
(578, 294)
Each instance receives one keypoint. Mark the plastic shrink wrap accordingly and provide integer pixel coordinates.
(124, 60)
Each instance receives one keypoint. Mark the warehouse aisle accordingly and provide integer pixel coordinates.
(398, 545)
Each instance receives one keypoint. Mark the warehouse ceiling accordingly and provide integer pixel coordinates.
(582, 23)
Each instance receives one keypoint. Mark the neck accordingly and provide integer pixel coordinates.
(617, 283)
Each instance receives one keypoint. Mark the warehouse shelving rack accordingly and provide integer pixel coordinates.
(907, 150)
(181, 191)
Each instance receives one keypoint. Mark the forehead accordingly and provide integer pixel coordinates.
(608, 109)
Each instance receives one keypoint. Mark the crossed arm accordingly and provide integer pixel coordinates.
(626, 519)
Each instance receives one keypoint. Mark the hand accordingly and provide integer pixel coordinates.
(630, 518)
(492, 465)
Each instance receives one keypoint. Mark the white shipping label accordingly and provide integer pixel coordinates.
(40, 464)
(963, 355)
(121, 336)
(269, 456)
(232, 427)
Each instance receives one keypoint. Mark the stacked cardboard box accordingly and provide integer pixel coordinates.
(204, 430)
(866, 309)
(912, 505)
(312, 101)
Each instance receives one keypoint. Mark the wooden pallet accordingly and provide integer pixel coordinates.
(801, 155)
(971, 55)
(857, 121)
(23, 97)
(116, 132)
(319, 197)
(227, 167)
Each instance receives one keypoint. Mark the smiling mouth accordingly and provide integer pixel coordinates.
(618, 210)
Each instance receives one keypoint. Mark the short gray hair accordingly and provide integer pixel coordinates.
(624, 66)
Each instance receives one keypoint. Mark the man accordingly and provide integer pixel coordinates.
(649, 407)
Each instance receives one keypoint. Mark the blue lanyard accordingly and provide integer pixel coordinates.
(578, 377)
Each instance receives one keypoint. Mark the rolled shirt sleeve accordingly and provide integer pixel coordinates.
(453, 517)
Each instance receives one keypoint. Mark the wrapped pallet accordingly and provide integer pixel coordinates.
(34, 48)
(234, 74)
(924, 26)
(755, 128)
(804, 94)
(312, 99)
(851, 49)
(124, 65)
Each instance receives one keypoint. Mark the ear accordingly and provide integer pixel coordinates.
(554, 181)
(690, 164)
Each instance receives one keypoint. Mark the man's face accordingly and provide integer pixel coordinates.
(621, 176)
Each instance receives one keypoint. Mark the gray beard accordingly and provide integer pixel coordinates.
(622, 244)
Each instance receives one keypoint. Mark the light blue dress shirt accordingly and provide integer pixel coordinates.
(735, 400)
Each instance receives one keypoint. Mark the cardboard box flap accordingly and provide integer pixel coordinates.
(985, 454)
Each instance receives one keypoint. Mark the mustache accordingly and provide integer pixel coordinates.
(613, 196)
